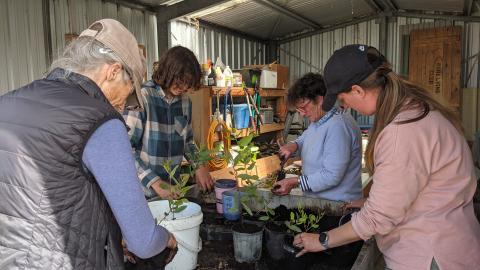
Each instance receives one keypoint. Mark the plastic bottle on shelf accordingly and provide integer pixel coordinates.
(228, 76)
(220, 80)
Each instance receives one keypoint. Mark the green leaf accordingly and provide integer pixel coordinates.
(245, 140)
(271, 211)
(302, 220)
(292, 216)
(264, 218)
(243, 176)
(249, 211)
(180, 209)
(295, 228)
(184, 190)
(172, 173)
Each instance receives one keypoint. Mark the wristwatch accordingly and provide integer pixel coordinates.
(323, 239)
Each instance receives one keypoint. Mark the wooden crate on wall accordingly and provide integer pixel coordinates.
(435, 62)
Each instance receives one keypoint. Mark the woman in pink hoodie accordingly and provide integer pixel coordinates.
(420, 207)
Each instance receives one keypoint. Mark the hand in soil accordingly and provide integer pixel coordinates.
(308, 242)
(203, 178)
(284, 186)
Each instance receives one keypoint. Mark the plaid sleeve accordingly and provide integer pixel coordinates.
(136, 122)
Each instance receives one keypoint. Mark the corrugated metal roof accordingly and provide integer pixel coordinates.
(258, 20)
(261, 21)
(254, 19)
(436, 5)
(327, 12)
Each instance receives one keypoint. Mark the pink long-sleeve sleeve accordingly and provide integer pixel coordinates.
(420, 205)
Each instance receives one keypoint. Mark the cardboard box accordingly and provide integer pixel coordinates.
(268, 79)
(282, 74)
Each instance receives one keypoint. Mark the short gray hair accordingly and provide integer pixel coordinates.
(87, 54)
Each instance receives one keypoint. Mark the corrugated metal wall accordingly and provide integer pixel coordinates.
(73, 16)
(21, 43)
(206, 43)
(23, 48)
(310, 54)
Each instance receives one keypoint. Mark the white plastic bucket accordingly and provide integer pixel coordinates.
(185, 228)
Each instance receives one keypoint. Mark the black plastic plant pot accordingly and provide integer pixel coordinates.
(274, 240)
(247, 242)
(288, 245)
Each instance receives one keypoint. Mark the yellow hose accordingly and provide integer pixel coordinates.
(217, 163)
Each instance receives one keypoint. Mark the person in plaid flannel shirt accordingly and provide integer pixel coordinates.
(163, 130)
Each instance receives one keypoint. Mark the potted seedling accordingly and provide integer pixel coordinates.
(178, 186)
(179, 216)
(247, 237)
(300, 221)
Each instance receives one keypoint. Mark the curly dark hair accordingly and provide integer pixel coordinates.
(178, 65)
(309, 86)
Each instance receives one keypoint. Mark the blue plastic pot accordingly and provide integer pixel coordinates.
(231, 205)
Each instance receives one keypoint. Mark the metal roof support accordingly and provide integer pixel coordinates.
(467, 7)
(374, 6)
(333, 27)
(282, 10)
(167, 13)
(133, 5)
(231, 31)
(383, 32)
(437, 16)
(48, 32)
(392, 6)
(272, 51)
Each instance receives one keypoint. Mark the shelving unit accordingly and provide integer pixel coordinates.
(202, 110)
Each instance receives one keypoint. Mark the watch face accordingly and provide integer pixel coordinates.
(322, 237)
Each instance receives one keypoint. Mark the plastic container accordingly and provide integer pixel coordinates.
(241, 115)
(221, 186)
(231, 205)
(219, 79)
(267, 115)
(274, 238)
(228, 76)
(186, 229)
(247, 247)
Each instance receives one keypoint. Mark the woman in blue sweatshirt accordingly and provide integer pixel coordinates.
(330, 148)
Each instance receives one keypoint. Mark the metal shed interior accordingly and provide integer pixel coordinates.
(301, 34)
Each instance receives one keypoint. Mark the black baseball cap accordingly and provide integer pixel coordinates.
(348, 66)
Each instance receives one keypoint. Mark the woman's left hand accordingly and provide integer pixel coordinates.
(309, 242)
